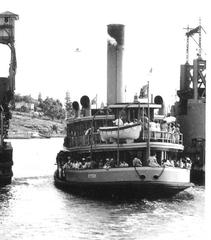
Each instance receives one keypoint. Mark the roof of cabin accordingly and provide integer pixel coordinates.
(90, 118)
(9, 14)
(135, 105)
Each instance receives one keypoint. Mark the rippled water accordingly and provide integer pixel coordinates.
(33, 208)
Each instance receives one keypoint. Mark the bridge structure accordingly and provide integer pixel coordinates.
(7, 88)
(191, 107)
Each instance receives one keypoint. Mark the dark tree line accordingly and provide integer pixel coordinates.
(26, 98)
(50, 107)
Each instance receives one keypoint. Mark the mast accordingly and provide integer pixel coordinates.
(118, 141)
(1, 126)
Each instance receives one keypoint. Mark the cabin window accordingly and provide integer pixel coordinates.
(133, 115)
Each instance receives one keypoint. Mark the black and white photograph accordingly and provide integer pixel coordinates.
(103, 120)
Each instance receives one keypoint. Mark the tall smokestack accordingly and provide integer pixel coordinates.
(159, 100)
(115, 46)
(76, 109)
(86, 108)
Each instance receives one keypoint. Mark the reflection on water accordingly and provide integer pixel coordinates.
(33, 208)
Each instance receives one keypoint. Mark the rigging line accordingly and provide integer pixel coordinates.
(203, 30)
(198, 45)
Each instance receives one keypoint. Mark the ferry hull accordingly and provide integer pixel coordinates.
(128, 182)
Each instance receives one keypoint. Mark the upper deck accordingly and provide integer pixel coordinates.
(158, 140)
(83, 132)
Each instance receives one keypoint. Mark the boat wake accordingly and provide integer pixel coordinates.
(29, 179)
(184, 195)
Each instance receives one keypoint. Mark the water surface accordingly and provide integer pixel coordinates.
(33, 208)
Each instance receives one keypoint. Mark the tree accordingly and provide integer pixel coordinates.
(17, 98)
(53, 108)
(27, 99)
(39, 97)
(68, 104)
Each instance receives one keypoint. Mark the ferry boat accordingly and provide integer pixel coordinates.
(117, 150)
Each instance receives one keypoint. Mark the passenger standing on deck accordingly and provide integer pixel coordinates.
(188, 163)
(158, 129)
(172, 163)
(77, 165)
(173, 132)
(100, 165)
(181, 163)
(177, 133)
(152, 129)
(152, 161)
(168, 163)
(118, 121)
(86, 165)
(137, 162)
(170, 132)
(112, 163)
(107, 165)
(83, 163)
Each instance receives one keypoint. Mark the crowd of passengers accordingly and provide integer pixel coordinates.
(171, 130)
(136, 162)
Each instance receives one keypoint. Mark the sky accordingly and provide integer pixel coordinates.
(49, 32)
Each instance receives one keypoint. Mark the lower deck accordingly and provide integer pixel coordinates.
(131, 181)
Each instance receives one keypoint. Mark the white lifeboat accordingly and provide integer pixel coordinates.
(127, 131)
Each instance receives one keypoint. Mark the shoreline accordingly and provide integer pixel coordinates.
(25, 126)
(27, 136)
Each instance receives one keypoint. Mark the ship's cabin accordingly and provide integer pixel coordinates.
(85, 148)
(85, 129)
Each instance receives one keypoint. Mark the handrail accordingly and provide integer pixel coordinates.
(164, 136)
(155, 136)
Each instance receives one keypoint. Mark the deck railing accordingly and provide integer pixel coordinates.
(163, 136)
(155, 136)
